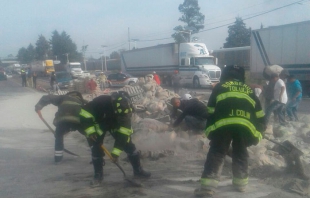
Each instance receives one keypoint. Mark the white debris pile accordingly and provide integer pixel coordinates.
(266, 152)
(80, 85)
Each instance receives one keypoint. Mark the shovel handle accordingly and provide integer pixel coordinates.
(107, 152)
(112, 159)
(277, 143)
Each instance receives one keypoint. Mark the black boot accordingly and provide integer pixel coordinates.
(98, 177)
(97, 180)
(136, 165)
(58, 156)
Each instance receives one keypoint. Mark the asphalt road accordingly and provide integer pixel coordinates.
(27, 169)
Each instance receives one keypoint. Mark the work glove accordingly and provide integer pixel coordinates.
(115, 158)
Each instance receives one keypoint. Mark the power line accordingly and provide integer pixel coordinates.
(254, 16)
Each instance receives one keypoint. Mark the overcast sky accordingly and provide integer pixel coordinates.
(103, 22)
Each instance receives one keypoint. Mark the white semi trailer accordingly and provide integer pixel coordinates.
(285, 45)
(192, 60)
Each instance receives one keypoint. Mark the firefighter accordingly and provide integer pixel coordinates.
(194, 113)
(104, 113)
(235, 116)
(113, 113)
(66, 119)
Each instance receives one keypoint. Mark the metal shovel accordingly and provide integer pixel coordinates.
(287, 148)
(134, 183)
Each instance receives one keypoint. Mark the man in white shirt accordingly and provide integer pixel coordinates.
(279, 100)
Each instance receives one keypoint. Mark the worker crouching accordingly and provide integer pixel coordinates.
(235, 117)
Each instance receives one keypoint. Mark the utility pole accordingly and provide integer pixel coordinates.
(84, 48)
(105, 58)
(128, 38)
(101, 62)
(67, 54)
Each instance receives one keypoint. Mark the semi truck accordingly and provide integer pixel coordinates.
(287, 46)
(43, 68)
(75, 69)
(192, 60)
(233, 56)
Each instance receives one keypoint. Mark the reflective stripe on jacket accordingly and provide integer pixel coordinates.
(234, 103)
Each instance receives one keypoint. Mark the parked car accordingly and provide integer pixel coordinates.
(3, 75)
(98, 72)
(63, 79)
(121, 79)
(86, 74)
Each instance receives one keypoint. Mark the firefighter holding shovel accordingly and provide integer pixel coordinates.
(94, 119)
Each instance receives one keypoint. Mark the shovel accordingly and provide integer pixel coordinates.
(119, 166)
(288, 148)
(52, 130)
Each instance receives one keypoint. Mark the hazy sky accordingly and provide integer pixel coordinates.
(103, 22)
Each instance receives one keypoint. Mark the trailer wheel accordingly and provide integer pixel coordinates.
(196, 82)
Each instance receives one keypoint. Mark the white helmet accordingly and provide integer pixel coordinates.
(186, 97)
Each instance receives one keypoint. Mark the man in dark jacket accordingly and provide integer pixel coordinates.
(235, 116)
(23, 75)
(193, 111)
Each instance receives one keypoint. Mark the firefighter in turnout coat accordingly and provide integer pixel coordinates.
(235, 117)
(113, 114)
(104, 113)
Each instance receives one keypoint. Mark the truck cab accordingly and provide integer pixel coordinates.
(74, 69)
(197, 67)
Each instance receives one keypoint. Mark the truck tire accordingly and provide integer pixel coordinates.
(196, 82)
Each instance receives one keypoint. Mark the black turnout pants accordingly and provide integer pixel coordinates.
(219, 146)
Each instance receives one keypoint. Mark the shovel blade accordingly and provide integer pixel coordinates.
(132, 182)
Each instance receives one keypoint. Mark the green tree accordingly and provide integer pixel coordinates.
(42, 48)
(62, 44)
(31, 53)
(26, 55)
(21, 55)
(115, 55)
(238, 34)
(193, 19)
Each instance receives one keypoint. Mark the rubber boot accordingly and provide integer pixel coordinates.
(240, 188)
(203, 192)
(138, 171)
(98, 176)
(97, 180)
(58, 156)
(300, 171)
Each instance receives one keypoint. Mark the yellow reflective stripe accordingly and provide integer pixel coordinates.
(68, 118)
(116, 151)
(71, 103)
(90, 130)
(118, 104)
(209, 182)
(126, 111)
(226, 95)
(125, 131)
(99, 131)
(240, 182)
(260, 114)
(85, 114)
(119, 110)
(234, 120)
(120, 98)
(210, 109)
